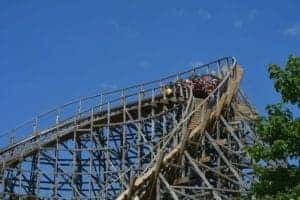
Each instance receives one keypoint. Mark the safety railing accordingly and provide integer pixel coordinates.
(101, 102)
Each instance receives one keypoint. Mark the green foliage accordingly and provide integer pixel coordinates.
(287, 80)
(277, 183)
(278, 153)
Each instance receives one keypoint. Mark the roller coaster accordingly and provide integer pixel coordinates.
(154, 140)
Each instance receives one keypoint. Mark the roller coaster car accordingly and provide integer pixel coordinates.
(203, 85)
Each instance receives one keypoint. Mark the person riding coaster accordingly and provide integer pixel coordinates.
(202, 85)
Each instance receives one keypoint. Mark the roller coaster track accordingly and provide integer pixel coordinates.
(139, 142)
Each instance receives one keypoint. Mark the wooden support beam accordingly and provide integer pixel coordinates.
(202, 175)
(225, 159)
(173, 194)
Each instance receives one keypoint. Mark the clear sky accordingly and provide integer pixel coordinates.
(53, 51)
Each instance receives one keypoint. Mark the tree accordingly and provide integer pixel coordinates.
(287, 80)
(277, 155)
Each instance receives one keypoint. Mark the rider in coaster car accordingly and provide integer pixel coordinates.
(203, 85)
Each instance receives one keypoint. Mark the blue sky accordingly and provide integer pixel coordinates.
(53, 51)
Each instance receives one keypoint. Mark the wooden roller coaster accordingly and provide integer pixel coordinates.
(155, 140)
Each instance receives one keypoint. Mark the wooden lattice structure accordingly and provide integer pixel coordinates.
(139, 142)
